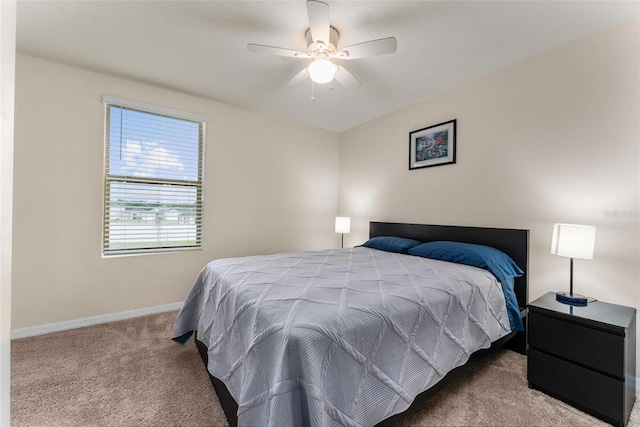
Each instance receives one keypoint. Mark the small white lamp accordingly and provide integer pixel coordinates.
(343, 225)
(573, 241)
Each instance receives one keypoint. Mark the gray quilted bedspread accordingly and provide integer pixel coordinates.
(338, 337)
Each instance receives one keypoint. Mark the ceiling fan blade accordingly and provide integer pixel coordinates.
(318, 13)
(370, 48)
(280, 51)
(299, 78)
(346, 79)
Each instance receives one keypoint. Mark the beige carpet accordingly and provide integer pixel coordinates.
(130, 373)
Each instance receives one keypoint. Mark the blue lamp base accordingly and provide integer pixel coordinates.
(570, 298)
(573, 299)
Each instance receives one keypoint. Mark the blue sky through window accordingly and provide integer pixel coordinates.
(152, 146)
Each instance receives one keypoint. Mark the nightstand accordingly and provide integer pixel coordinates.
(584, 356)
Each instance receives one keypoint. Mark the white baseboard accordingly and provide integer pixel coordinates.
(93, 320)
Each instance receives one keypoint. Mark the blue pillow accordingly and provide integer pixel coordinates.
(496, 262)
(391, 244)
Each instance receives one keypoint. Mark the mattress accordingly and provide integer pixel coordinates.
(339, 337)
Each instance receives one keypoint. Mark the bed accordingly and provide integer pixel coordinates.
(350, 337)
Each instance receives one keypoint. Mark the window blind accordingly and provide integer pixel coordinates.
(153, 178)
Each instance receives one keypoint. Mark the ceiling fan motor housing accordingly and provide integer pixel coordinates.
(321, 49)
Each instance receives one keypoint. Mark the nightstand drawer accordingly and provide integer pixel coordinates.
(592, 348)
(589, 391)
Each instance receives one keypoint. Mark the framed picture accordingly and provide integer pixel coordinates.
(433, 146)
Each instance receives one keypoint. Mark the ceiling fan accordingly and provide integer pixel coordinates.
(322, 42)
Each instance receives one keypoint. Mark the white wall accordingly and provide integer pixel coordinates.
(7, 75)
(270, 185)
(551, 139)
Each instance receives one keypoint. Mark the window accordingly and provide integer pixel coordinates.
(153, 178)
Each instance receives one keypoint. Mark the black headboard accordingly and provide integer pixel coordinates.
(513, 242)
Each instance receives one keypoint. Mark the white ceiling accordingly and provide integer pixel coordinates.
(199, 47)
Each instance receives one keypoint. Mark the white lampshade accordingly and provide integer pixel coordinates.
(322, 71)
(573, 241)
(343, 224)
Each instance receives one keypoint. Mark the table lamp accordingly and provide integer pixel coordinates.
(573, 241)
(343, 225)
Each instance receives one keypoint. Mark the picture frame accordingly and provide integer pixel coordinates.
(433, 146)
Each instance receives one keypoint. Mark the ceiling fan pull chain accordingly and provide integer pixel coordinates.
(312, 97)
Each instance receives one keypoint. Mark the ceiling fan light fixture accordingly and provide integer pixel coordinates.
(322, 71)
